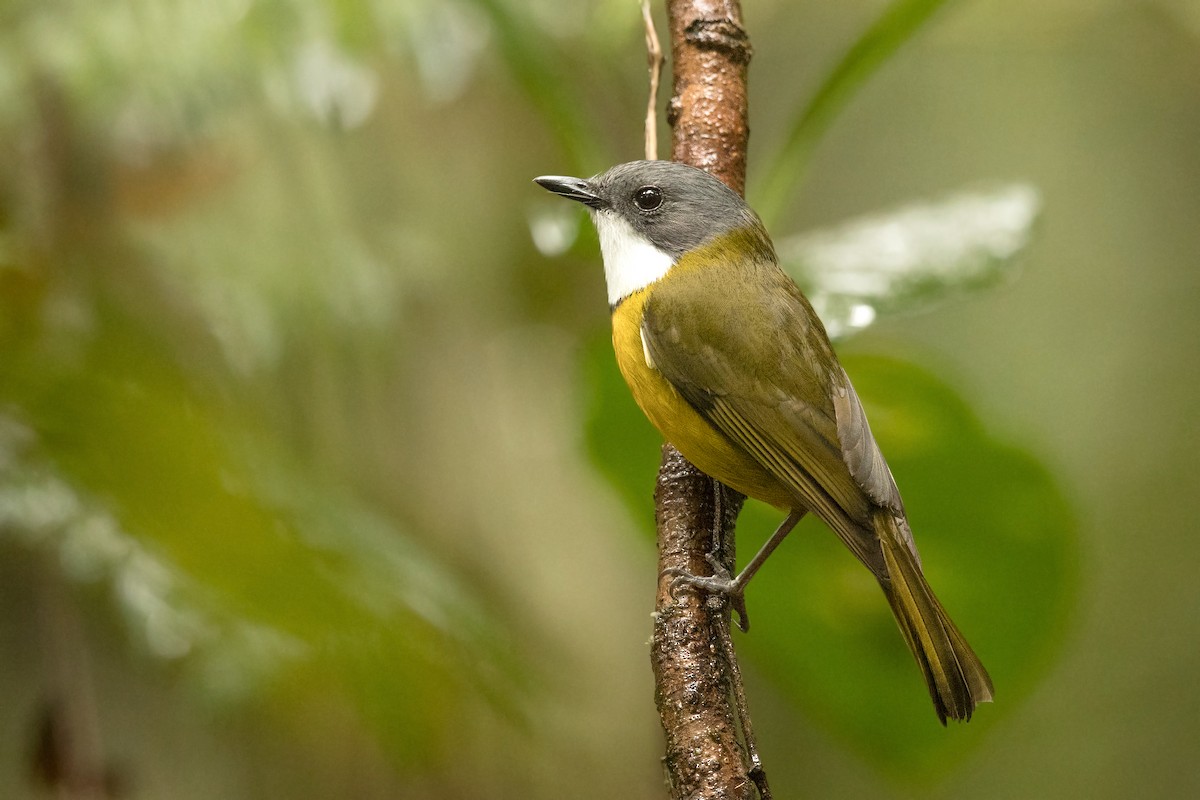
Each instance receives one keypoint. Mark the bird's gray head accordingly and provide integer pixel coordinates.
(649, 213)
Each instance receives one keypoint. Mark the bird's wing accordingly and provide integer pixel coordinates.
(863, 457)
(754, 360)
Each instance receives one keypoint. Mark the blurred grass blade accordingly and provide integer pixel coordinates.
(912, 257)
(898, 24)
(541, 74)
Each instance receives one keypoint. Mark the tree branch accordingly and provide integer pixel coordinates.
(695, 675)
(708, 113)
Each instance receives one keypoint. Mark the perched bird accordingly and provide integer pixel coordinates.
(729, 361)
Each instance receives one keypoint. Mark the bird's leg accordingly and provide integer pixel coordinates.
(735, 588)
(714, 555)
(716, 558)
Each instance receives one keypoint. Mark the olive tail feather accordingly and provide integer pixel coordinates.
(956, 678)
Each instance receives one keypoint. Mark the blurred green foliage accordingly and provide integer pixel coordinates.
(898, 24)
(306, 393)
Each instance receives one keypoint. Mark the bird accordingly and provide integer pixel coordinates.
(728, 360)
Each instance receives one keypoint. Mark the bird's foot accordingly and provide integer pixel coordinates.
(718, 585)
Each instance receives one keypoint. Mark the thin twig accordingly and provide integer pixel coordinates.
(756, 772)
(654, 57)
(737, 687)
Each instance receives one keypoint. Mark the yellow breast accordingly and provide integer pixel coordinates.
(679, 423)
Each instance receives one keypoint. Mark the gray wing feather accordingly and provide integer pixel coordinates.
(861, 454)
(859, 450)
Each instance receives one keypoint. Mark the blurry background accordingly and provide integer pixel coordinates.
(317, 480)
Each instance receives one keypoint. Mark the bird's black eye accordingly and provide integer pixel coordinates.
(648, 198)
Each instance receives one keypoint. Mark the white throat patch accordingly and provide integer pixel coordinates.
(631, 262)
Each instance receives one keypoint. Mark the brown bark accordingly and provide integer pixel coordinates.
(693, 677)
(710, 52)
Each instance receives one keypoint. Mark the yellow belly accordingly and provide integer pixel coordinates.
(679, 423)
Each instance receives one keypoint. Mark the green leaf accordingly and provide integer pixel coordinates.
(911, 258)
(899, 23)
(997, 539)
(995, 533)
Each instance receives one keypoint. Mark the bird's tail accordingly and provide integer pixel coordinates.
(956, 678)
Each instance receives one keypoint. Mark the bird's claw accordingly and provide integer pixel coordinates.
(719, 583)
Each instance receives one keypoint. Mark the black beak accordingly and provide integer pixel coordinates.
(573, 189)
